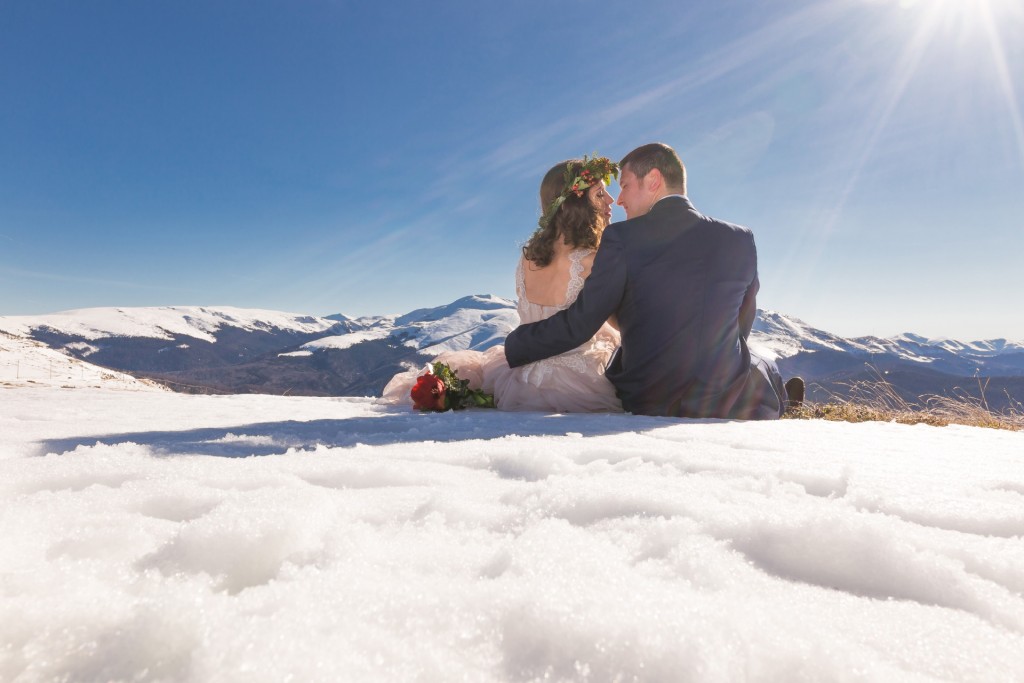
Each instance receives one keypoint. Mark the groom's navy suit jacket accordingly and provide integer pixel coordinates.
(683, 287)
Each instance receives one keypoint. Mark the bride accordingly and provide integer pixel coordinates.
(556, 260)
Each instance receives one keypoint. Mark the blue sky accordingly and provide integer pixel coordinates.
(325, 157)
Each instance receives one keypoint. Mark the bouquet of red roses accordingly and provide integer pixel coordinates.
(439, 389)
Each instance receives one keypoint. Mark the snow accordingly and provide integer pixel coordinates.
(157, 536)
(777, 335)
(82, 347)
(987, 348)
(161, 322)
(25, 362)
(466, 329)
(474, 322)
(341, 341)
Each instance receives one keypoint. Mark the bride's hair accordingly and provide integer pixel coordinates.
(577, 221)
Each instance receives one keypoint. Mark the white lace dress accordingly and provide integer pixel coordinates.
(572, 382)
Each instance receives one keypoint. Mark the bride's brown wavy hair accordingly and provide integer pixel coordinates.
(577, 221)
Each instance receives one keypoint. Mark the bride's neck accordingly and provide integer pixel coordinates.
(561, 248)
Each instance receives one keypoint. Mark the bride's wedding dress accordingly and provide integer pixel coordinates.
(572, 382)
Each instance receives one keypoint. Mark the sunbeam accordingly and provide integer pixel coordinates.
(903, 73)
(742, 52)
(1003, 74)
(890, 95)
(971, 23)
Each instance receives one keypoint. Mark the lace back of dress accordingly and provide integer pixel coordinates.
(530, 312)
(575, 285)
(520, 281)
(522, 303)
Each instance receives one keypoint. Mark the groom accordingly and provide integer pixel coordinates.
(682, 286)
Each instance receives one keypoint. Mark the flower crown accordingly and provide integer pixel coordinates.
(595, 169)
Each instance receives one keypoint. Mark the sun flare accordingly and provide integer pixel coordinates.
(976, 31)
(987, 22)
(967, 15)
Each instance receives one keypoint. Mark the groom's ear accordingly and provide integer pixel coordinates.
(654, 180)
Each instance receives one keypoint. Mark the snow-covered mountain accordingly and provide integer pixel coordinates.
(990, 371)
(936, 365)
(166, 323)
(473, 322)
(170, 338)
(233, 350)
(778, 336)
(29, 363)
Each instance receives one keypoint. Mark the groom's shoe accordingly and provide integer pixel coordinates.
(794, 393)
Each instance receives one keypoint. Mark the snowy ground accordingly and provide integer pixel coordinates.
(156, 536)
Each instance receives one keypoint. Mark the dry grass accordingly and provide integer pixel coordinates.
(878, 401)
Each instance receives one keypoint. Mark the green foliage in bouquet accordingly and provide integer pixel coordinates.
(440, 389)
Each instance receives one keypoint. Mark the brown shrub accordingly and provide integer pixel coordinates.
(878, 401)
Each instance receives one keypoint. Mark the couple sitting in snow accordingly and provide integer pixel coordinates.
(654, 322)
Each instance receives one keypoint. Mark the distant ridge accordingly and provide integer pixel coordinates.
(781, 337)
(249, 350)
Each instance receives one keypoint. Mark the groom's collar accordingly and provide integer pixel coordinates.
(673, 198)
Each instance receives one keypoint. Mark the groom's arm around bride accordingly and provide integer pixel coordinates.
(683, 287)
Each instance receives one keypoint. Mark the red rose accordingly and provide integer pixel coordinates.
(428, 393)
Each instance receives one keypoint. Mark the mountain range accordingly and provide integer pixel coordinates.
(233, 350)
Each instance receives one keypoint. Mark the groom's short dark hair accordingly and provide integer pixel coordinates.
(660, 156)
